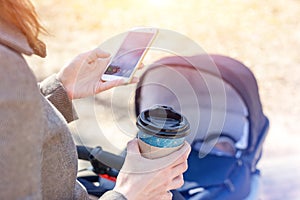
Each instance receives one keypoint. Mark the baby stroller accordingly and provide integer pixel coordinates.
(219, 96)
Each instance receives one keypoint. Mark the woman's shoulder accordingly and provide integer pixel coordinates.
(9, 54)
(14, 69)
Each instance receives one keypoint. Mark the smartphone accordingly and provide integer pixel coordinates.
(130, 54)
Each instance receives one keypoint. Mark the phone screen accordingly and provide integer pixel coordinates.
(129, 54)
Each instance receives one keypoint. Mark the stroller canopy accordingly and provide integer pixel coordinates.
(207, 84)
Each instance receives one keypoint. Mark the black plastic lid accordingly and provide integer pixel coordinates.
(164, 122)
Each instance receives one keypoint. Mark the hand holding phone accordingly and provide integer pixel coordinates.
(130, 54)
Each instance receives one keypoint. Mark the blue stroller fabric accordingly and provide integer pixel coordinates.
(225, 93)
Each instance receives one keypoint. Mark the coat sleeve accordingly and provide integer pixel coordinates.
(20, 129)
(53, 90)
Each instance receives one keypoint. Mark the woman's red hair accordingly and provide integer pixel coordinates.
(22, 14)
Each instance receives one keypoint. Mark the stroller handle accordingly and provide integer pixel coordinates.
(84, 152)
(103, 157)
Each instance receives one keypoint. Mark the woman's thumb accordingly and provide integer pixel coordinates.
(133, 147)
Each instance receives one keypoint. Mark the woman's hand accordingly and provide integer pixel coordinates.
(142, 178)
(82, 76)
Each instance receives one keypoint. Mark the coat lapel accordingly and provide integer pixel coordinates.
(13, 38)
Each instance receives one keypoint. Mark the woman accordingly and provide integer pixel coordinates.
(38, 158)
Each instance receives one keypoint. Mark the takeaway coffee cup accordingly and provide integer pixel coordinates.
(161, 131)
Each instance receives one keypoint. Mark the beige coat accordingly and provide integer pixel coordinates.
(38, 158)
